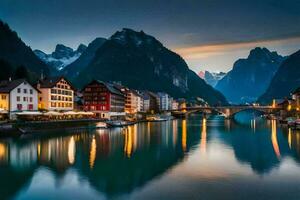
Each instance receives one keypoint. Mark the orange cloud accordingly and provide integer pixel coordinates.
(204, 51)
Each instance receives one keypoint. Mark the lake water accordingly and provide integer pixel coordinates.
(245, 158)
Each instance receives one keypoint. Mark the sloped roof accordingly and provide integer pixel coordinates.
(109, 86)
(50, 82)
(7, 86)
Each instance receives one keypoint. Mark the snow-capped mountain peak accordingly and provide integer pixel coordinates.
(61, 57)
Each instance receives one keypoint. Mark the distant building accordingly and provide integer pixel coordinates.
(18, 95)
(296, 97)
(164, 101)
(145, 101)
(175, 105)
(57, 93)
(103, 98)
(153, 103)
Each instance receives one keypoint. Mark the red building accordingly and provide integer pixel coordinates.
(102, 97)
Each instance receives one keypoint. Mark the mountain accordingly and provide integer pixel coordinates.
(211, 78)
(286, 79)
(61, 57)
(139, 61)
(14, 52)
(250, 77)
(84, 60)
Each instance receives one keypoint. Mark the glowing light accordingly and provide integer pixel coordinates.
(93, 153)
(203, 137)
(71, 151)
(289, 107)
(274, 139)
(183, 142)
(274, 104)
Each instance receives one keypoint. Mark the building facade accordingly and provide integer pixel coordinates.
(18, 95)
(57, 93)
(100, 97)
(296, 97)
(164, 101)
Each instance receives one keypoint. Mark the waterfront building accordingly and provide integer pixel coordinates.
(153, 102)
(175, 105)
(103, 99)
(145, 101)
(18, 95)
(140, 102)
(57, 93)
(132, 99)
(296, 97)
(163, 101)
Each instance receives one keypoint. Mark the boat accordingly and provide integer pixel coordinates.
(294, 124)
(101, 125)
(156, 119)
(119, 123)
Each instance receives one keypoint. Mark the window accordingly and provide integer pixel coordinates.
(31, 91)
(30, 99)
(25, 91)
(19, 90)
(3, 97)
(18, 98)
(19, 106)
(30, 106)
(25, 99)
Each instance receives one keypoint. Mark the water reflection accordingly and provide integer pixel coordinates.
(120, 161)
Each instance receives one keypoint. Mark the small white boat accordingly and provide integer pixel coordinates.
(101, 125)
(118, 123)
(156, 119)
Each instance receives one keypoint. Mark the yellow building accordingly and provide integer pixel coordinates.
(57, 93)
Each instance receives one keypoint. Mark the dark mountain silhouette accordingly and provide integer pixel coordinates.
(250, 77)
(286, 79)
(139, 61)
(73, 69)
(15, 52)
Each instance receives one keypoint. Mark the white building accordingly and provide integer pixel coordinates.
(21, 96)
(163, 101)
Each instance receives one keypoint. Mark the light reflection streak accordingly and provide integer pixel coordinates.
(274, 139)
(203, 137)
(290, 138)
(71, 150)
(93, 152)
(183, 142)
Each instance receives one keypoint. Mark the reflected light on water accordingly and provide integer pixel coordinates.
(93, 152)
(290, 138)
(184, 135)
(203, 137)
(71, 150)
(175, 132)
(2, 151)
(128, 146)
(274, 139)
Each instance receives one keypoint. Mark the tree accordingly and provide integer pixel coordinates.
(21, 72)
(6, 70)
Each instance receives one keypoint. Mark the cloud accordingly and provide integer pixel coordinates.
(210, 50)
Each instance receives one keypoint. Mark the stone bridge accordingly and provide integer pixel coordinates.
(227, 111)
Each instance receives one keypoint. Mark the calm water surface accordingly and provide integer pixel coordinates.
(181, 159)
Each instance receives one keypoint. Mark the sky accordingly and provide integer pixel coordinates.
(209, 34)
